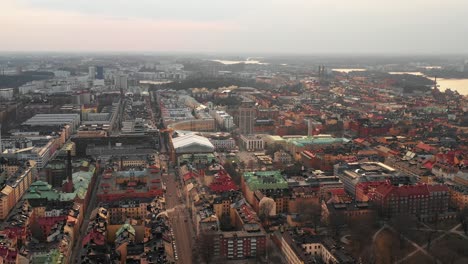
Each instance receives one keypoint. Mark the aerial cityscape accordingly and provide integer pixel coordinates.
(196, 135)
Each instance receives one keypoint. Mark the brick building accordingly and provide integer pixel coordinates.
(425, 201)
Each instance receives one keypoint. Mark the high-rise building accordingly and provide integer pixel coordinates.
(92, 72)
(99, 72)
(247, 117)
(121, 82)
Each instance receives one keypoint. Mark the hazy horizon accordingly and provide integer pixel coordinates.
(261, 27)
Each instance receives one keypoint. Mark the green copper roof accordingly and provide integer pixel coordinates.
(125, 227)
(40, 190)
(265, 180)
(51, 257)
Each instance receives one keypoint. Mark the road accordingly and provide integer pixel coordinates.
(179, 218)
(77, 250)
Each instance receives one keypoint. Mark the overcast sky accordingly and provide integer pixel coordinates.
(247, 26)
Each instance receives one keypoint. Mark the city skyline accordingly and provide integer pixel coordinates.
(312, 27)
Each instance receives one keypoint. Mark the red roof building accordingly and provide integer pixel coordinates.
(223, 183)
(425, 201)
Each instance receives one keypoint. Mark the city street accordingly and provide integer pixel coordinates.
(179, 218)
(77, 250)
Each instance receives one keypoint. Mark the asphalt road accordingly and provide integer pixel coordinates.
(179, 218)
(77, 250)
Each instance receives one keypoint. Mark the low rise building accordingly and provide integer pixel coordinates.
(252, 142)
(302, 249)
(117, 185)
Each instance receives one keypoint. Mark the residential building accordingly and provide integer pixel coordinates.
(427, 202)
(306, 248)
(259, 184)
(6, 93)
(351, 174)
(118, 185)
(15, 187)
(121, 210)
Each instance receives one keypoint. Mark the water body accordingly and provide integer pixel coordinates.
(348, 70)
(154, 82)
(460, 85)
(412, 73)
(229, 62)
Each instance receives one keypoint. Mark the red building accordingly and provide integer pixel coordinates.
(425, 201)
(223, 183)
(365, 128)
(365, 191)
(116, 185)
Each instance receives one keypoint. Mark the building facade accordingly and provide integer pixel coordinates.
(247, 113)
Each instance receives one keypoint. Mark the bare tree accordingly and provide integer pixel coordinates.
(264, 212)
(310, 213)
(402, 223)
(463, 218)
(337, 221)
(361, 232)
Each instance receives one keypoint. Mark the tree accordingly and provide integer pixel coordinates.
(264, 212)
(294, 170)
(402, 224)
(463, 218)
(272, 148)
(231, 170)
(361, 232)
(337, 221)
(310, 212)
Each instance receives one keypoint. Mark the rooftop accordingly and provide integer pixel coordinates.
(261, 180)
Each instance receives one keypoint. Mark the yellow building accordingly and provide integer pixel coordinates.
(15, 187)
(120, 211)
(221, 207)
(458, 195)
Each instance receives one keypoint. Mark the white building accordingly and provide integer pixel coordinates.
(61, 74)
(223, 119)
(121, 82)
(252, 142)
(7, 93)
(223, 143)
(54, 119)
(92, 72)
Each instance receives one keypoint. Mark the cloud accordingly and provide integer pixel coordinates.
(298, 26)
(42, 29)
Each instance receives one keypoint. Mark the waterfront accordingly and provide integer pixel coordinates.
(348, 70)
(248, 61)
(460, 85)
